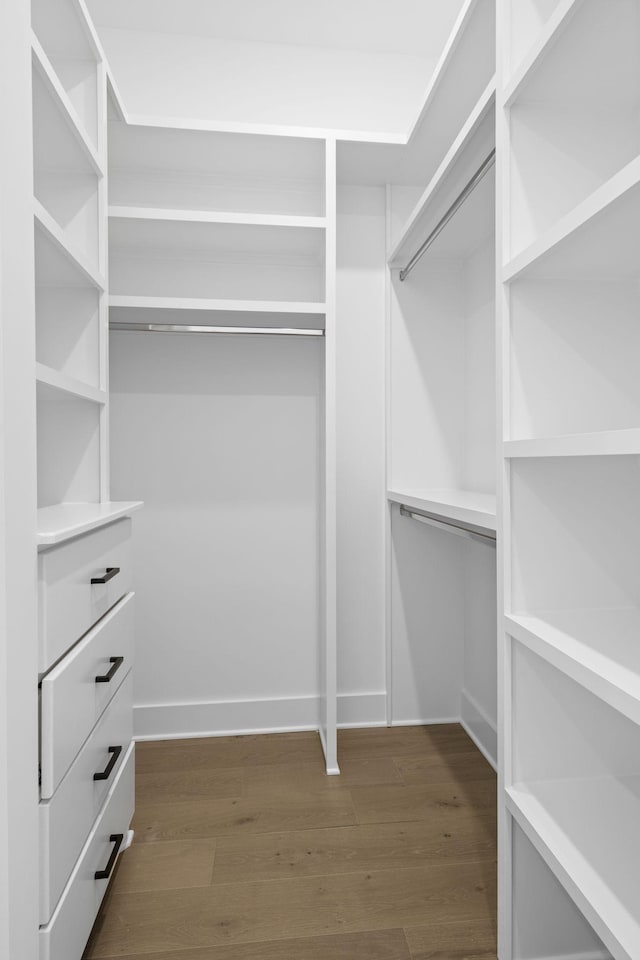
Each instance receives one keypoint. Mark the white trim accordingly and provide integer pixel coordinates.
(479, 727)
(227, 718)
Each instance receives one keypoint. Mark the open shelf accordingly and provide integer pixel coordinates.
(604, 443)
(68, 447)
(464, 506)
(251, 313)
(200, 170)
(65, 520)
(583, 333)
(216, 260)
(57, 144)
(526, 22)
(596, 647)
(463, 71)
(573, 128)
(215, 216)
(586, 831)
(575, 792)
(77, 388)
(69, 43)
(474, 142)
(599, 237)
(58, 257)
(537, 893)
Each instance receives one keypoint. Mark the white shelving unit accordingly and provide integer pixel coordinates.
(568, 508)
(441, 402)
(223, 232)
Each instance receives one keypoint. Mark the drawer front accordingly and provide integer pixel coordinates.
(66, 934)
(71, 700)
(67, 818)
(69, 604)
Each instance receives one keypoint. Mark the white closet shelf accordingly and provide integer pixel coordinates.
(77, 388)
(602, 443)
(596, 647)
(601, 236)
(64, 106)
(187, 310)
(205, 216)
(545, 40)
(57, 236)
(65, 520)
(205, 238)
(465, 506)
(422, 219)
(587, 833)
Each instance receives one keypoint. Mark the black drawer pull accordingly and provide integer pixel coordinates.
(108, 770)
(109, 574)
(115, 838)
(106, 677)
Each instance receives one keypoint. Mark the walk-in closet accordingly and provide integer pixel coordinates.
(319, 440)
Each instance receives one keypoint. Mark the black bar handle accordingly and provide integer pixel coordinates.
(106, 677)
(108, 770)
(115, 838)
(109, 574)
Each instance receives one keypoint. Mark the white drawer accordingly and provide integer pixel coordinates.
(71, 700)
(69, 604)
(66, 934)
(67, 818)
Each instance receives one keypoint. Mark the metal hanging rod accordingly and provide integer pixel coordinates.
(450, 526)
(184, 328)
(453, 209)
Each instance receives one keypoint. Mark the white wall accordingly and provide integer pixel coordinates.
(361, 454)
(220, 437)
(226, 81)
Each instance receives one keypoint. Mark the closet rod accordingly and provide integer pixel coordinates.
(453, 209)
(184, 328)
(459, 529)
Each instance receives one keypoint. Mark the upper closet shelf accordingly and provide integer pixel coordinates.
(470, 149)
(189, 310)
(545, 40)
(66, 520)
(57, 247)
(211, 216)
(600, 237)
(46, 126)
(586, 830)
(596, 647)
(463, 506)
(462, 73)
(214, 239)
(602, 443)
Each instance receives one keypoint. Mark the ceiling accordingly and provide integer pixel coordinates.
(414, 27)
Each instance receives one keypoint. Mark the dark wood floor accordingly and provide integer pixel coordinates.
(245, 850)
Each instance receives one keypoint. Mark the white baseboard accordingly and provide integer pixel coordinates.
(172, 721)
(480, 727)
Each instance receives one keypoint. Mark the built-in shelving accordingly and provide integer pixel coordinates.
(214, 216)
(76, 388)
(463, 506)
(187, 311)
(548, 34)
(596, 647)
(65, 520)
(601, 235)
(57, 239)
(602, 443)
(586, 831)
(56, 143)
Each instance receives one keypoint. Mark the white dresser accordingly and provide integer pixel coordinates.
(86, 725)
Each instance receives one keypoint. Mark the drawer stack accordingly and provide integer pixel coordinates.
(86, 729)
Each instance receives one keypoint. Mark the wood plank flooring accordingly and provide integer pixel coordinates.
(245, 850)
